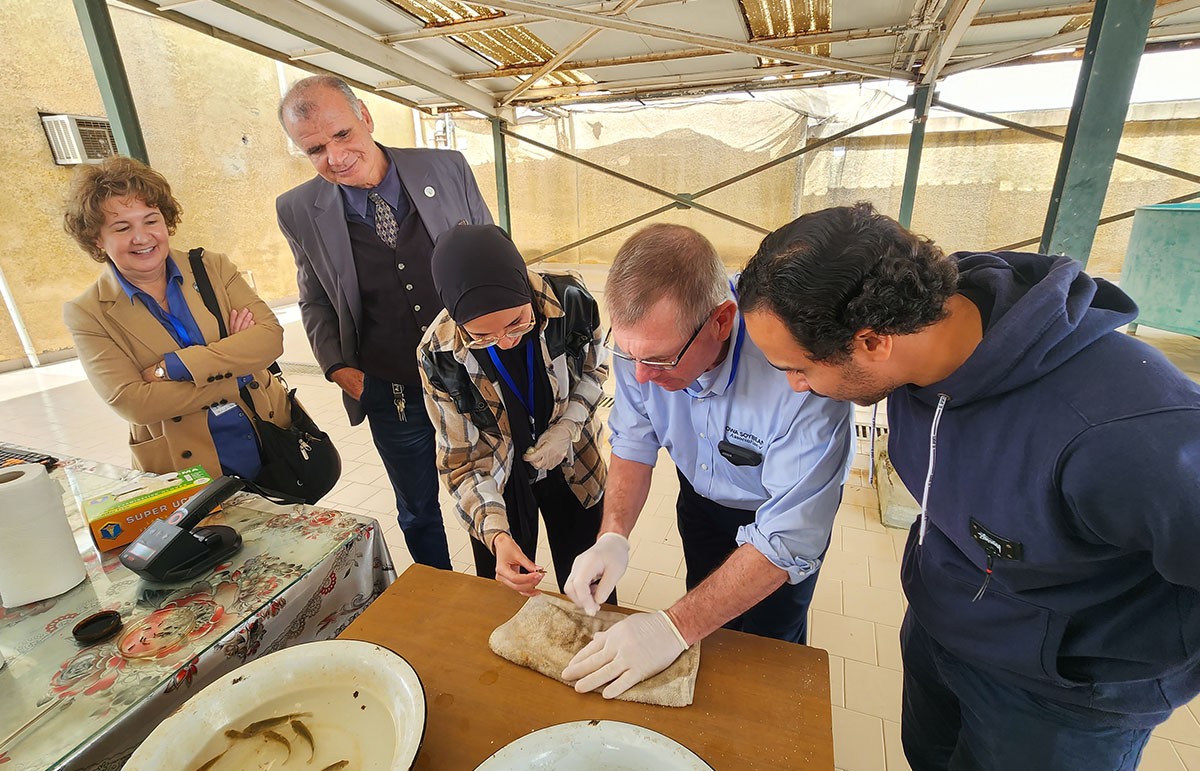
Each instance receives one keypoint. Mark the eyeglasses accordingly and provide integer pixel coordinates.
(611, 345)
(513, 333)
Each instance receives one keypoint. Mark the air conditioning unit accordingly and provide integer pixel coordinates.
(76, 139)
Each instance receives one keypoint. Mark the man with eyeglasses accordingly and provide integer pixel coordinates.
(760, 472)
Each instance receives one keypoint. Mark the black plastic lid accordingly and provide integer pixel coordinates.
(98, 627)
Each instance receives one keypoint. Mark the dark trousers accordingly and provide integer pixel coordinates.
(709, 534)
(407, 449)
(959, 717)
(571, 529)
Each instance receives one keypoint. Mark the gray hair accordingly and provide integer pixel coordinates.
(666, 261)
(298, 101)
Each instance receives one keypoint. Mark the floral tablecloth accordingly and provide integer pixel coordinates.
(303, 574)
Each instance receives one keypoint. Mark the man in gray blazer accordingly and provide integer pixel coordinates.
(362, 233)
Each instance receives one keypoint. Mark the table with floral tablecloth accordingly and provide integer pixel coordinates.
(303, 573)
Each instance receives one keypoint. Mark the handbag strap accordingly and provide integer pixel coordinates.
(205, 287)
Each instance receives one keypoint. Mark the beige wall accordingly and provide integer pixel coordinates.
(980, 187)
(207, 110)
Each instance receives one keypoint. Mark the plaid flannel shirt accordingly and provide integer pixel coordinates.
(475, 464)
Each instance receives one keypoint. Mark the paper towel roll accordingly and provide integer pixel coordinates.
(38, 556)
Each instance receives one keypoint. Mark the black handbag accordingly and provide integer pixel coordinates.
(299, 464)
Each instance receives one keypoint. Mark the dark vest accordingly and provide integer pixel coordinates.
(399, 301)
(569, 334)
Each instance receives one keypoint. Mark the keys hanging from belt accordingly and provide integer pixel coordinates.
(398, 397)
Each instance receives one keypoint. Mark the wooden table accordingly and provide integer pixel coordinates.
(759, 703)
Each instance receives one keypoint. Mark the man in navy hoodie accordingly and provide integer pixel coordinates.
(1053, 578)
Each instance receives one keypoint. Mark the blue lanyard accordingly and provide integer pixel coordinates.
(737, 356)
(179, 331)
(527, 401)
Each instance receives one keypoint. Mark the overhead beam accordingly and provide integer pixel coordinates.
(1044, 134)
(622, 24)
(802, 39)
(302, 21)
(1116, 38)
(749, 77)
(1056, 41)
(443, 29)
(912, 38)
(101, 42)
(957, 22)
(554, 62)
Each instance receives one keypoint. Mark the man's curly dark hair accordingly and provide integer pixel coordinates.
(832, 273)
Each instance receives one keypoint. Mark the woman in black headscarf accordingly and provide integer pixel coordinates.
(513, 372)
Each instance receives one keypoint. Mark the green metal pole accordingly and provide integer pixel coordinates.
(102, 49)
(1114, 48)
(501, 156)
(916, 143)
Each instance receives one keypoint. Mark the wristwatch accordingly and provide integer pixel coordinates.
(160, 372)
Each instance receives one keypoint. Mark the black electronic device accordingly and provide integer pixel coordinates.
(170, 550)
(738, 456)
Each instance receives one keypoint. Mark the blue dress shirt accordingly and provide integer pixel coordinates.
(232, 432)
(806, 443)
(359, 209)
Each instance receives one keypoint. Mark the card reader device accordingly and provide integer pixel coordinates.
(175, 549)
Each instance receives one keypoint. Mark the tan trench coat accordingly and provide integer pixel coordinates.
(116, 339)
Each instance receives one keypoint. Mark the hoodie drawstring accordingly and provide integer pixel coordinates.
(871, 465)
(937, 418)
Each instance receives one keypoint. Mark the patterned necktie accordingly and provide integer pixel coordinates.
(385, 221)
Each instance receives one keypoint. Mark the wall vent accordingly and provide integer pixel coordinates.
(76, 139)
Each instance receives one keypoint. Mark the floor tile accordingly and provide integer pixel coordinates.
(887, 646)
(353, 494)
(656, 557)
(837, 680)
(873, 690)
(381, 501)
(651, 528)
(868, 544)
(1159, 755)
(660, 592)
(630, 586)
(863, 496)
(1189, 755)
(845, 566)
(850, 638)
(885, 573)
(1180, 727)
(850, 515)
(857, 741)
(867, 602)
(828, 595)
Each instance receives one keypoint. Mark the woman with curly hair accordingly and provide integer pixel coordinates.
(147, 342)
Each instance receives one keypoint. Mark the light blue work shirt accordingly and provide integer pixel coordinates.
(806, 443)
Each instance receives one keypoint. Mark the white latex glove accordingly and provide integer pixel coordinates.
(631, 650)
(553, 445)
(595, 573)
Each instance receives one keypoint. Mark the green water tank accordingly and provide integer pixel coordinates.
(1162, 267)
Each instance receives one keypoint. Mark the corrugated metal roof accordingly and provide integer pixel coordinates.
(506, 47)
(446, 53)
